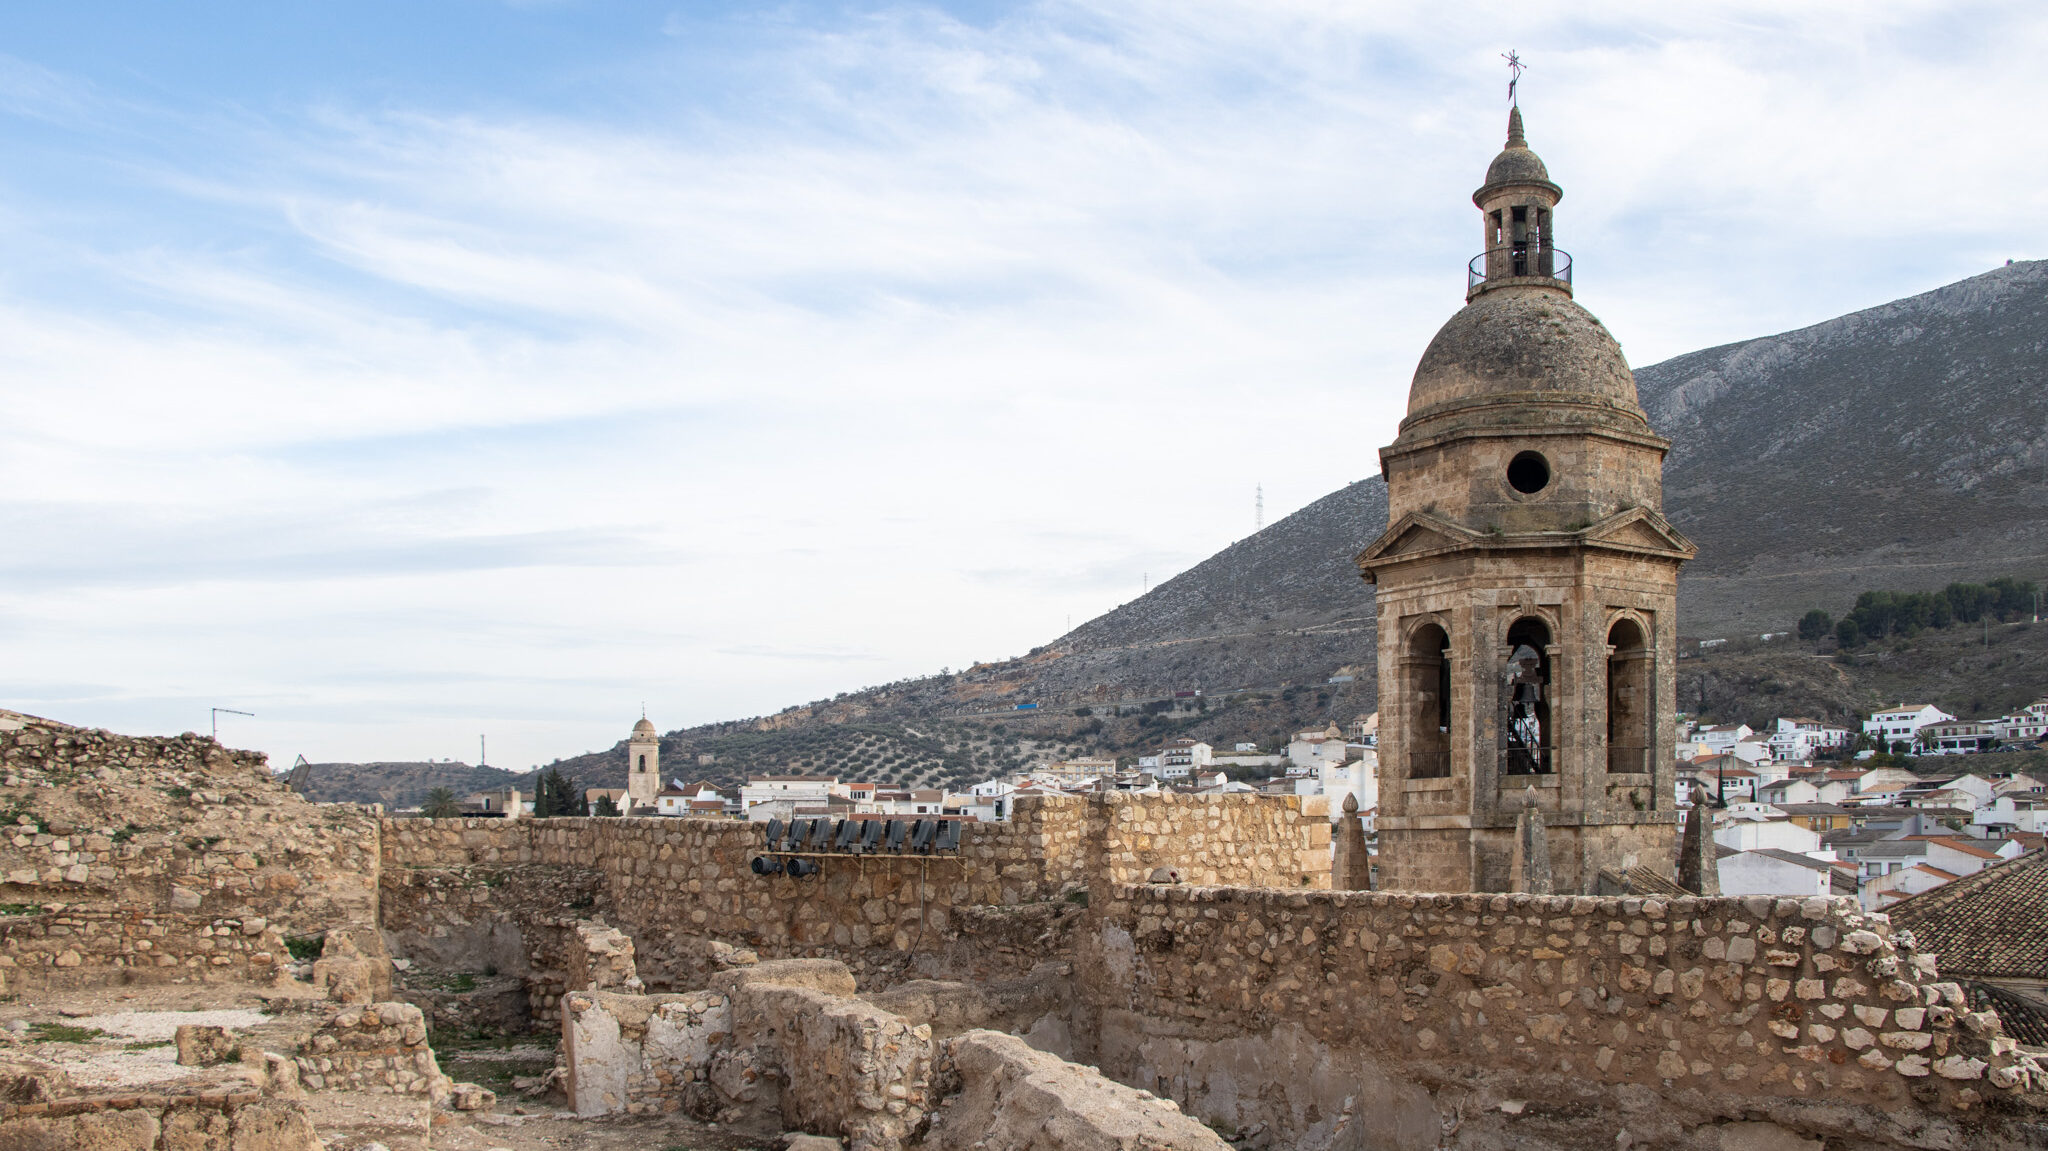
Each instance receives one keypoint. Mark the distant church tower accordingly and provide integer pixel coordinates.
(643, 766)
(1527, 583)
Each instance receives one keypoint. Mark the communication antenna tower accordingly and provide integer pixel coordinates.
(481, 758)
(221, 711)
(1259, 507)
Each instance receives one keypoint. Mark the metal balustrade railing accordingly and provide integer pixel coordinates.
(1519, 262)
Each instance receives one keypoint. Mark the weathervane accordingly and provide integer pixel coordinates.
(1515, 70)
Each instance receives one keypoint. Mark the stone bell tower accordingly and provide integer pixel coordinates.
(1527, 583)
(643, 766)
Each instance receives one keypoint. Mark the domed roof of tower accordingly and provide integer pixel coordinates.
(644, 727)
(1516, 164)
(1531, 343)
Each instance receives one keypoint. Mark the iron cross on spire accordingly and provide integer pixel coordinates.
(1515, 70)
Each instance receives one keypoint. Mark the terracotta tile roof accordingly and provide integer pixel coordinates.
(1643, 881)
(2024, 1019)
(1993, 924)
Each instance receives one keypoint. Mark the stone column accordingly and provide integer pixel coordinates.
(1698, 871)
(1353, 870)
(1531, 867)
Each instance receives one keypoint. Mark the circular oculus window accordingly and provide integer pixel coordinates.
(1529, 473)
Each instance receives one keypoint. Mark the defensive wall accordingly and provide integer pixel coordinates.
(1314, 1013)
(1276, 1009)
(473, 894)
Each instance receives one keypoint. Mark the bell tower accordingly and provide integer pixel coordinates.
(643, 766)
(1527, 582)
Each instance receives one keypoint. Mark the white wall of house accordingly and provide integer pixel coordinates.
(1783, 834)
(1359, 777)
(761, 792)
(1753, 873)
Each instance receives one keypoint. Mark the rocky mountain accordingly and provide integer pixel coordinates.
(396, 785)
(1900, 447)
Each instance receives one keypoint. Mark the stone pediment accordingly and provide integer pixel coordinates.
(1640, 529)
(1416, 533)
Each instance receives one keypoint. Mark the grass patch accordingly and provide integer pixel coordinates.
(458, 981)
(497, 1074)
(305, 947)
(479, 1039)
(21, 909)
(64, 1033)
(148, 1044)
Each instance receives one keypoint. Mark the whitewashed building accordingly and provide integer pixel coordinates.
(1902, 724)
(765, 797)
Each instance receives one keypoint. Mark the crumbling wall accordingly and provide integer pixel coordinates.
(378, 1047)
(150, 860)
(1013, 1096)
(247, 1102)
(785, 1038)
(150, 1122)
(843, 1066)
(789, 1039)
(642, 1054)
(1235, 1001)
(180, 824)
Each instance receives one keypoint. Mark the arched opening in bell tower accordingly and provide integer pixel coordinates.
(1525, 699)
(1429, 687)
(1628, 698)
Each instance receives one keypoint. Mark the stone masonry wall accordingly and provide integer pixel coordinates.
(642, 1054)
(1720, 1000)
(377, 1047)
(90, 947)
(1244, 840)
(180, 831)
(789, 1039)
(672, 883)
(144, 1121)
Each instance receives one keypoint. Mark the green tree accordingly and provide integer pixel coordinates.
(1815, 624)
(1969, 601)
(1848, 634)
(440, 804)
(604, 806)
(558, 795)
(2015, 598)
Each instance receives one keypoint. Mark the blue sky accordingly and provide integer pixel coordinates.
(406, 372)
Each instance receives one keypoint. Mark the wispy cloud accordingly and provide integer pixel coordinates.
(726, 349)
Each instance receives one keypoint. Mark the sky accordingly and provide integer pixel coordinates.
(409, 373)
